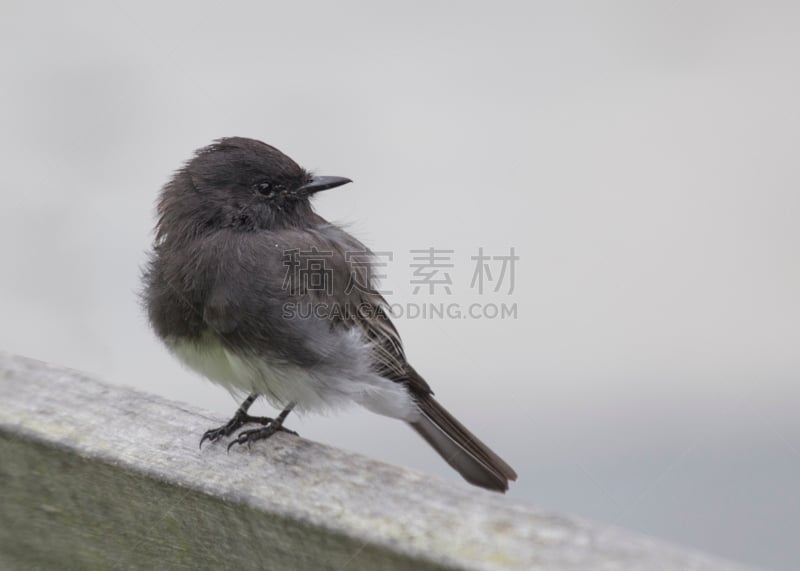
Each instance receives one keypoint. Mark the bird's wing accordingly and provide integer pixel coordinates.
(364, 306)
(260, 298)
(387, 347)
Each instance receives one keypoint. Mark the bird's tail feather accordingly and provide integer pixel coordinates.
(460, 448)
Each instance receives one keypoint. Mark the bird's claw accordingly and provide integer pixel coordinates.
(254, 434)
(230, 427)
(216, 433)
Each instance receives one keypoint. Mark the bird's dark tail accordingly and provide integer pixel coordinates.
(460, 448)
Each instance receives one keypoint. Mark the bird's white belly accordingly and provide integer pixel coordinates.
(282, 383)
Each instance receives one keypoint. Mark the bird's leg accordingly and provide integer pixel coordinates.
(269, 428)
(239, 419)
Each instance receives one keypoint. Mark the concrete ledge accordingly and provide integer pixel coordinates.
(95, 476)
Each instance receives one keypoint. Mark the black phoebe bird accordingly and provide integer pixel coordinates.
(226, 292)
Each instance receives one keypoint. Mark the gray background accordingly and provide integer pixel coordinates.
(641, 158)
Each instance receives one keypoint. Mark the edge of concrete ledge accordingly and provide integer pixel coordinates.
(112, 476)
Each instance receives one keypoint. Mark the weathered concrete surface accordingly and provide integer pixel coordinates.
(95, 476)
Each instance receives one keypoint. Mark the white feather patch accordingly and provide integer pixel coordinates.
(311, 389)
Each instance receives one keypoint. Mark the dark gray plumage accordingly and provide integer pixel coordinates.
(217, 290)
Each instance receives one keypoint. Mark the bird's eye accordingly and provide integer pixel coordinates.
(264, 187)
(269, 189)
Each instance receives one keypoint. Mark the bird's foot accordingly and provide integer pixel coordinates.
(239, 420)
(254, 434)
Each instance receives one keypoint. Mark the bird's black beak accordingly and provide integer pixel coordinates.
(318, 183)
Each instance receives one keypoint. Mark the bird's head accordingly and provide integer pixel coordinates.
(240, 183)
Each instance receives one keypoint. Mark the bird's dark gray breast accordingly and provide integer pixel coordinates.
(237, 285)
